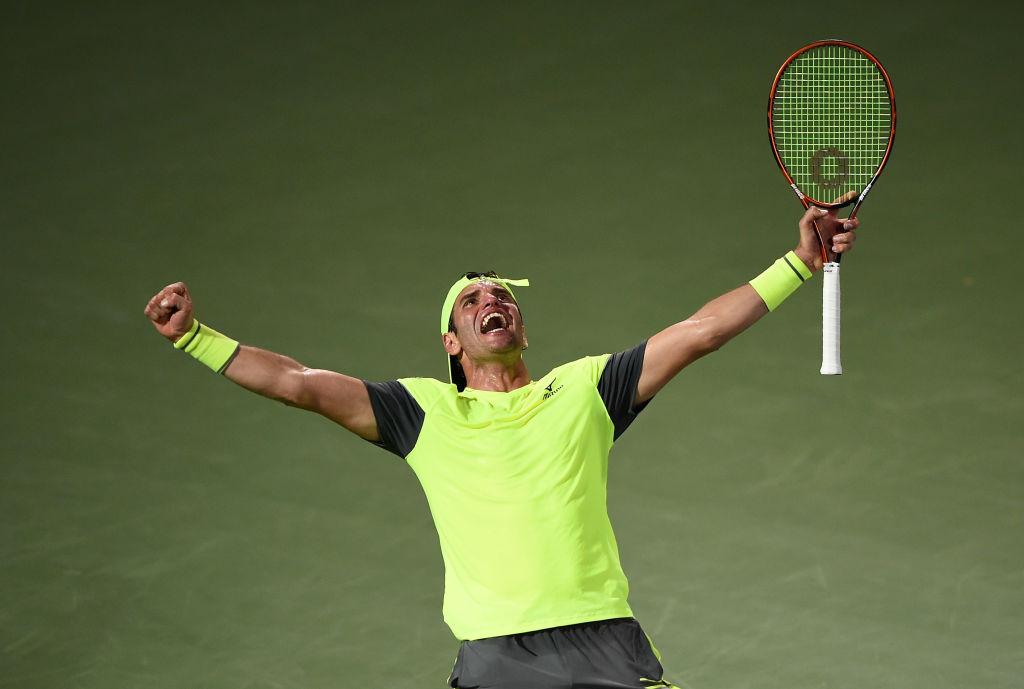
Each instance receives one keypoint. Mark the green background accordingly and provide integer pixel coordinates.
(320, 173)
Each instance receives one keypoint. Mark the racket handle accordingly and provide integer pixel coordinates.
(830, 297)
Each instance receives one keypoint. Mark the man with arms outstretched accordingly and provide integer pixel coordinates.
(514, 469)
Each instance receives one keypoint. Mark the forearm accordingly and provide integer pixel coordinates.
(339, 397)
(724, 317)
(266, 373)
(271, 375)
(679, 345)
(717, 322)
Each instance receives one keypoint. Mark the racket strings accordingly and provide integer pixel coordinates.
(831, 121)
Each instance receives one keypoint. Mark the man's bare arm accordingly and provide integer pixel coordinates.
(341, 398)
(725, 317)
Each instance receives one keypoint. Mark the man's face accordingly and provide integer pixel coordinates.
(487, 320)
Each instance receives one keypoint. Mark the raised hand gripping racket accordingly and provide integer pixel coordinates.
(831, 119)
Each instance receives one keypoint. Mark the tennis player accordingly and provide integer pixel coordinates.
(514, 468)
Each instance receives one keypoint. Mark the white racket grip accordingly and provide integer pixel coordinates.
(830, 298)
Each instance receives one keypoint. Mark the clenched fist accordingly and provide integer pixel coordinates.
(171, 311)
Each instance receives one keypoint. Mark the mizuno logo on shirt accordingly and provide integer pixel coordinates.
(551, 389)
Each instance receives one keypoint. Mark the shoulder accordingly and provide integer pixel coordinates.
(423, 392)
(597, 366)
(428, 391)
(588, 367)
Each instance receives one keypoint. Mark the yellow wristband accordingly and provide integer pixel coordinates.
(208, 346)
(780, 280)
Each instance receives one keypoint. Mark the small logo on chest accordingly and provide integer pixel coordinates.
(551, 389)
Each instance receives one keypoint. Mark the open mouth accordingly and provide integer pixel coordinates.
(493, 322)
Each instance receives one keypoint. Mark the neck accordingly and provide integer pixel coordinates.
(496, 376)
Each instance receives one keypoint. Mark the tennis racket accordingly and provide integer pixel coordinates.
(831, 120)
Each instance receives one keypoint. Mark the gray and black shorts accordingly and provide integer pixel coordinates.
(611, 654)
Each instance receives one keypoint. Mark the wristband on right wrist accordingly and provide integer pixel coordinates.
(780, 280)
(208, 346)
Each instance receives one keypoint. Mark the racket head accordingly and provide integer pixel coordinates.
(831, 121)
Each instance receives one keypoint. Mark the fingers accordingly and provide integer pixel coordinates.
(847, 197)
(823, 234)
(843, 241)
(810, 215)
(846, 235)
(175, 293)
(178, 288)
(173, 302)
(153, 309)
(166, 302)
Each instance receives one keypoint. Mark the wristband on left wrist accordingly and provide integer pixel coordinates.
(207, 346)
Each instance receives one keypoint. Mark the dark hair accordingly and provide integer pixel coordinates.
(458, 375)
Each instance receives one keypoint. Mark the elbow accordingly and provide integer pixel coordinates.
(292, 389)
(708, 338)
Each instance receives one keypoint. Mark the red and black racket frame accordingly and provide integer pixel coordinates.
(806, 200)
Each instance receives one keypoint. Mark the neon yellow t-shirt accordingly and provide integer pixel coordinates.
(517, 486)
